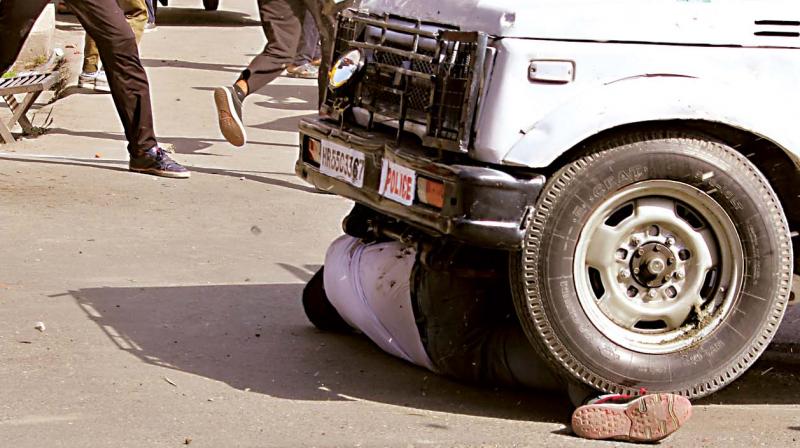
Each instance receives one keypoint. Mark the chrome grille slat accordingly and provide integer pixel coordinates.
(413, 73)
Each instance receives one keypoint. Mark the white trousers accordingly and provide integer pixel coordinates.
(369, 285)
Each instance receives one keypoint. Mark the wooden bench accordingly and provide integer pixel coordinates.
(30, 85)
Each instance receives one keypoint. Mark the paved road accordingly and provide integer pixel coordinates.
(171, 307)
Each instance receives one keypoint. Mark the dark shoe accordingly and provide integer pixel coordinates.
(156, 162)
(647, 418)
(229, 109)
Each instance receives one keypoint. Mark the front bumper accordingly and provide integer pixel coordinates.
(482, 206)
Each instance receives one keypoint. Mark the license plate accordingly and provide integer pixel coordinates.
(342, 163)
(398, 183)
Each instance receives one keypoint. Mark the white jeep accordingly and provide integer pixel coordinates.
(638, 160)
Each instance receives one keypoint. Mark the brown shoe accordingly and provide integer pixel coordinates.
(648, 418)
(229, 111)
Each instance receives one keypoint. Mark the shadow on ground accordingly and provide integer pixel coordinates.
(190, 65)
(182, 145)
(280, 96)
(265, 177)
(174, 16)
(257, 337)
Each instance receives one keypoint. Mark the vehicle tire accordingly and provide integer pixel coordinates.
(660, 261)
(318, 308)
(211, 5)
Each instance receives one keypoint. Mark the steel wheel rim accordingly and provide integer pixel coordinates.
(629, 241)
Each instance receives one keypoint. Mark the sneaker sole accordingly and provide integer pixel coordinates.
(229, 123)
(301, 75)
(92, 85)
(160, 173)
(646, 419)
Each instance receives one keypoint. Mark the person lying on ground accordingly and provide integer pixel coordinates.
(448, 309)
(116, 43)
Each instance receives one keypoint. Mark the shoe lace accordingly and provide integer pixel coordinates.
(164, 159)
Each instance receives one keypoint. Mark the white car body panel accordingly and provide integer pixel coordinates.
(531, 124)
(635, 61)
(714, 22)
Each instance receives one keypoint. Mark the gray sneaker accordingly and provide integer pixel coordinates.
(94, 80)
(305, 71)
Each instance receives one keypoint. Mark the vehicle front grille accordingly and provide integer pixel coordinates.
(415, 71)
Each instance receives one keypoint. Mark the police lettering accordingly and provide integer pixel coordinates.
(398, 185)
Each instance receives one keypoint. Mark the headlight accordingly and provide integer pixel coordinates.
(345, 68)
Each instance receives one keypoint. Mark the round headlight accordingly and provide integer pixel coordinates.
(345, 68)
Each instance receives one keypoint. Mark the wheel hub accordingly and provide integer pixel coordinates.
(653, 265)
(649, 269)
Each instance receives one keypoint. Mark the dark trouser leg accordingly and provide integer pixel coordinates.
(467, 321)
(281, 21)
(308, 48)
(324, 12)
(16, 20)
(151, 13)
(105, 22)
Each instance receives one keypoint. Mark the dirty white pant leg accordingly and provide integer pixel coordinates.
(369, 287)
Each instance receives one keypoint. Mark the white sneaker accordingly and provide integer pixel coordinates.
(94, 80)
(646, 418)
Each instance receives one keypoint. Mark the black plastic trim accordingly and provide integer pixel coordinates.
(484, 206)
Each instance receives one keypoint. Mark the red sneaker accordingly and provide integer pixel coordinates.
(646, 418)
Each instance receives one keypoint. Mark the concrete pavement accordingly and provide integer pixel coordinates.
(171, 307)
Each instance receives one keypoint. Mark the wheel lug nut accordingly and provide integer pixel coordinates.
(635, 241)
(680, 275)
(652, 293)
(670, 241)
(624, 274)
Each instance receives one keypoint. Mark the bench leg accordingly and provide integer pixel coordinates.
(5, 134)
(19, 110)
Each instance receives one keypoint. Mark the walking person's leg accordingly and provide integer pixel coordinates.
(281, 21)
(325, 12)
(307, 51)
(91, 75)
(119, 54)
(151, 16)
(136, 15)
(16, 21)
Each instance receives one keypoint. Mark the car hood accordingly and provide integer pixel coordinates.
(706, 22)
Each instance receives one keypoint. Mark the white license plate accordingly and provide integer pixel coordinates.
(342, 163)
(398, 183)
